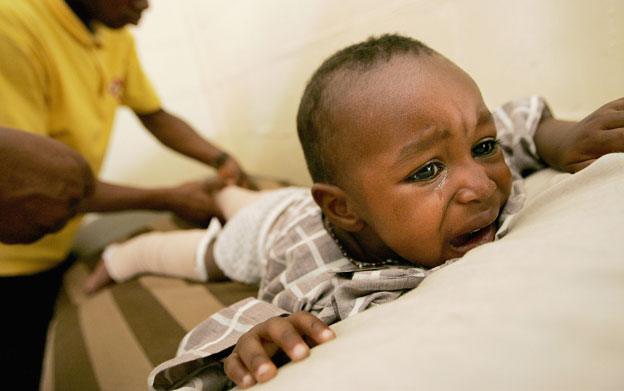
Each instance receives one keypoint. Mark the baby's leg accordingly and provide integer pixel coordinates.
(187, 254)
(231, 199)
(172, 253)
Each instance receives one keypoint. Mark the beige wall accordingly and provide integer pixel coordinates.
(236, 68)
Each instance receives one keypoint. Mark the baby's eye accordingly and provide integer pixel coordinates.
(427, 172)
(485, 147)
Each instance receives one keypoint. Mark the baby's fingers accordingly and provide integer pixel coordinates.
(617, 104)
(237, 372)
(285, 333)
(256, 354)
(612, 120)
(313, 327)
(612, 140)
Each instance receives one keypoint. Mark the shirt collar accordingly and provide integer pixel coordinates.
(73, 24)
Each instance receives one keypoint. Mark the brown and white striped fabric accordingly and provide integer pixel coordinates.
(112, 340)
(305, 269)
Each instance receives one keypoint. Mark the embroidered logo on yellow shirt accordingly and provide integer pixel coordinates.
(116, 88)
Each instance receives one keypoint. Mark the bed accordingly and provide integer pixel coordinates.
(542, 309)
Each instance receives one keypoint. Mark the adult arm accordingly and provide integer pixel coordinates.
(192, 201)
(173, 132)
(180, 136)
(42, 181)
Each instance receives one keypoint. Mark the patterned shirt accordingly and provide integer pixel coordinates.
(306, 270)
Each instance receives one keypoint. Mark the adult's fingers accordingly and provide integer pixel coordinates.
(230, 170)
(237, 372)
(213, 183)
(245, 181)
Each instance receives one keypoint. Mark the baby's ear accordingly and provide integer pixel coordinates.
(337, 207)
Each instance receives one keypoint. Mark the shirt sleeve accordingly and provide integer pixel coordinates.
(139, 93)
(23, 85)
(516, 123)
(200, 353)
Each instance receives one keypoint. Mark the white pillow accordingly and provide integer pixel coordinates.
(541, 309)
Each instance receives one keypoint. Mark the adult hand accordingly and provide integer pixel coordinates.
(195, 202)
(232, 173)
(41, 183)
(250, 361)
(572, 146)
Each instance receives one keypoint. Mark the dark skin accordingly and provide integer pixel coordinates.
(249, 362)
(571, 146)
(112, 13)
(191, 201)
(431, 172)
(41, 186)
(178, 135)
(166, 127)
(396, 186)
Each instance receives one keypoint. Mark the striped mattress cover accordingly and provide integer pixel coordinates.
(113, 339)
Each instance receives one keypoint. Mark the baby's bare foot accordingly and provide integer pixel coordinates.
(98, 279)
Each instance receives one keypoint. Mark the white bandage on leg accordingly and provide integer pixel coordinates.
(175, 253)
(210, 235)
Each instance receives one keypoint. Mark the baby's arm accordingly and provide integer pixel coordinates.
(250, 361)
(572, 146)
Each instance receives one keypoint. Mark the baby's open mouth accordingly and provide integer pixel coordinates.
(468, 241)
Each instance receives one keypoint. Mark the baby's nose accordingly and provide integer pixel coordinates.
(475, 185)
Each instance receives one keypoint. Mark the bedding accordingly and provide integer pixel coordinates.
(112, 340)
(541, 310)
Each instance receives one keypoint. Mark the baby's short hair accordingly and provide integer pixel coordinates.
(313, 122)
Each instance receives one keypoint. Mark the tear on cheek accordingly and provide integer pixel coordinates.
(441, 183)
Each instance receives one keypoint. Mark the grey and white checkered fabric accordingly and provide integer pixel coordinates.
(305, 270)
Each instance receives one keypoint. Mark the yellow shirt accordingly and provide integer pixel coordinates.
(60, 80)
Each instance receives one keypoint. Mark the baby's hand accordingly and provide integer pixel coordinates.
(572, 146)
(250, 362)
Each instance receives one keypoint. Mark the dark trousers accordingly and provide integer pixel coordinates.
(27, 304)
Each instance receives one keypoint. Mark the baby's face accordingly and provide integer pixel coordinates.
(419, 159)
